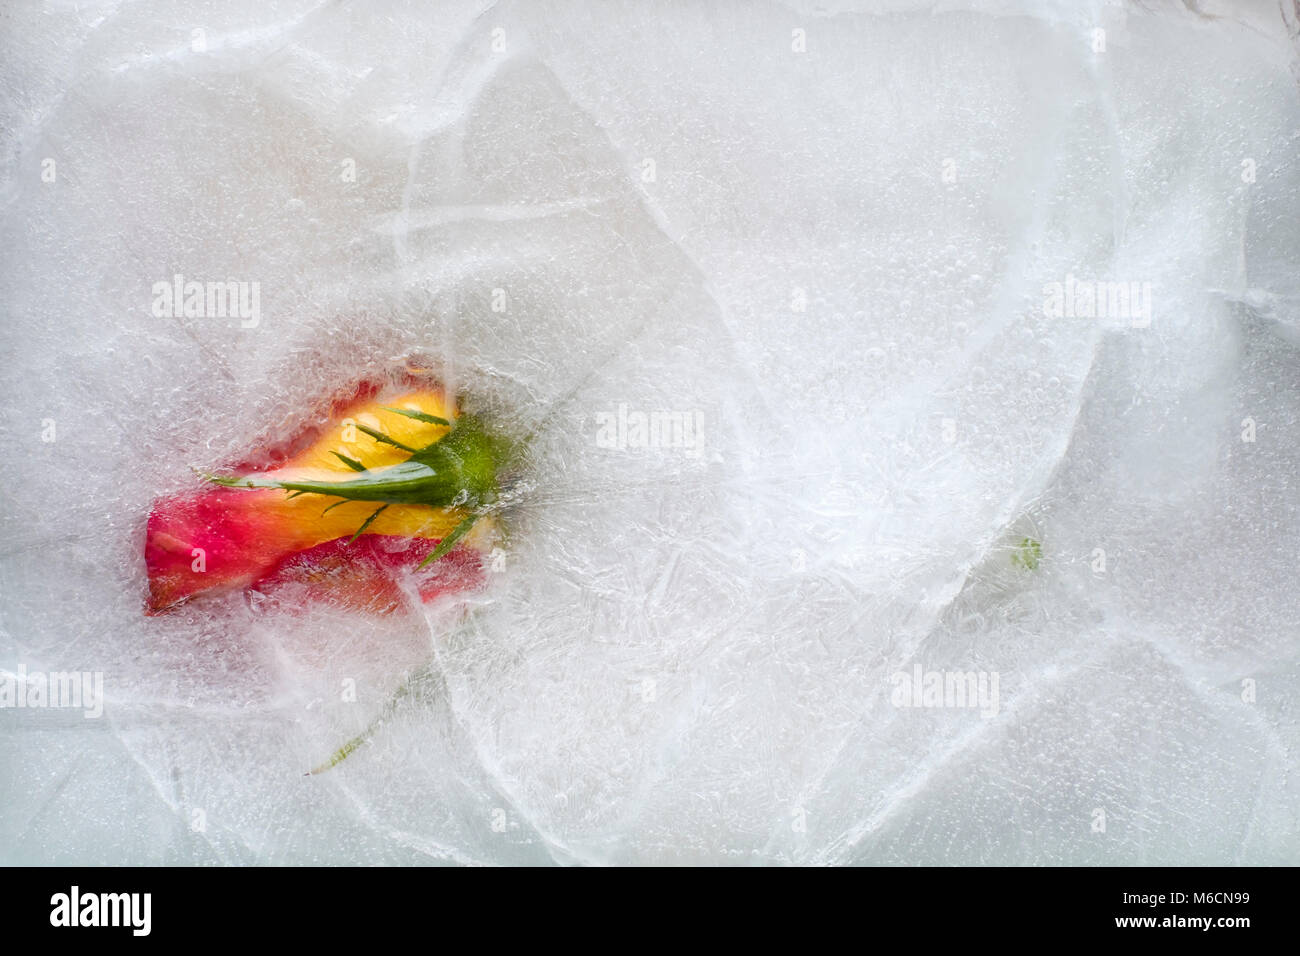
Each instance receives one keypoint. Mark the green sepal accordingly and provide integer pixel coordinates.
(383, 439)
(448, 542)
(350, 462)
(368, 522)
(418, 416)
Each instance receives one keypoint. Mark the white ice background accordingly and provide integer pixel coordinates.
(836, 256)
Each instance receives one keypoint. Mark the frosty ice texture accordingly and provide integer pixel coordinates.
(834, 252)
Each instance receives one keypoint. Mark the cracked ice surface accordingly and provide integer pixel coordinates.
(837, 258)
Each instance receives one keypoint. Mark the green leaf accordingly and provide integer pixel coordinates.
(382, 438)
(446, 543)
(366, 524)
(350, 462)
(341, 501)
(1028, 554)
(419, 416)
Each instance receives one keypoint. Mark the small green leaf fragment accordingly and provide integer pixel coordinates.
(448, 542)
(343, 752)
(406, 690)
(341, 501)
(1028, 554)
(419, 416)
